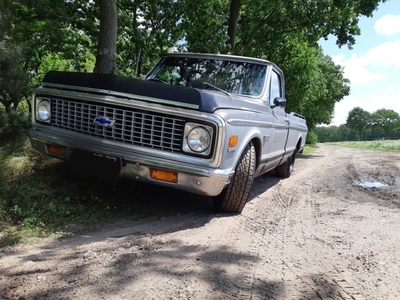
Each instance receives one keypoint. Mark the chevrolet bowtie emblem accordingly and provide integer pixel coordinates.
(103, 121)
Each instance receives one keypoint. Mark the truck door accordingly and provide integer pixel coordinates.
(277, 141)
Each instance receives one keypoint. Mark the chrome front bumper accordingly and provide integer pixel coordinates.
(202, 180)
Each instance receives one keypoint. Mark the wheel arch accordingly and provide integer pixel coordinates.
(257, 146)
(298, 145)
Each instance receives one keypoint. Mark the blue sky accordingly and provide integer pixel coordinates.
(373, 65)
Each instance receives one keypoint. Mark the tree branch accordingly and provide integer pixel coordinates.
(256, 29)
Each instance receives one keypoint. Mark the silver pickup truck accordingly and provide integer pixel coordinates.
(204, 123)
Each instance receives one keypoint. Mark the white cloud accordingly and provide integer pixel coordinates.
(366, 72)
(370, 66)
(356, 70)
(374, 73)
(388, 25)
(383, 55)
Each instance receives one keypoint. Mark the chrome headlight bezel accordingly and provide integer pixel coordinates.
(43, 110)
(198, 139)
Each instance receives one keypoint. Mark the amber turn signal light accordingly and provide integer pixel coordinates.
(55, 150)
(163, 175)
(233, 140)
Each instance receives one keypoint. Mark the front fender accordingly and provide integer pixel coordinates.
(247, 126)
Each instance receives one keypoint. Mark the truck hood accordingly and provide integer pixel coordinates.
(151, 91)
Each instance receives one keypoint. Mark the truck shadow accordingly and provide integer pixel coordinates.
(166, 201)
(263, 183)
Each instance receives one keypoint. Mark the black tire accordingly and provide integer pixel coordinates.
(234, 197)
(285, 170)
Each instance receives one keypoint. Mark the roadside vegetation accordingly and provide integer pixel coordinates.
(381, 145)
(308, 149)
(362, 125)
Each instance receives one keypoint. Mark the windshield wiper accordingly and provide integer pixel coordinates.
(157, 80)
(207, 84)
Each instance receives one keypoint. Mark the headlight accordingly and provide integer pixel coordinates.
(198, 139)
(43, 110)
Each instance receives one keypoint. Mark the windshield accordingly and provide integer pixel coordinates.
(234, 77)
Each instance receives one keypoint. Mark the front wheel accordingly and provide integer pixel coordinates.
(234, 197)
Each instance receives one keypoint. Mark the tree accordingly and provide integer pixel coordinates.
(43, 31)
(358, 119)
(345, 133)
(253, 22)
(284, 31)
(334, 133)
(387, 119)
(205, 31)
(314, 84)
(107, 42)
(14, 82)
(148, 29)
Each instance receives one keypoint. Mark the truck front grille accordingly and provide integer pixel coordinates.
(129, 126)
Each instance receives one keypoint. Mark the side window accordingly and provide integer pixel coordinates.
(275, 87)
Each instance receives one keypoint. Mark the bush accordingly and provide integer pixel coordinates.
(312, 138)
(14, 123)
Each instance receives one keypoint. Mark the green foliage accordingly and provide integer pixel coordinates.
(386, 119)
(205, 31)
(312, 138)
(32, 201)
(335, 134)
(255, 23)
(314, 84)
(381, 124)
(308, 149)
(358, 119)
(14, 123)
(14, 81)
(146, 30)
(34, 37)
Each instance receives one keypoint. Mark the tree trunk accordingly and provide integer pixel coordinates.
(29, 104)
(107, 44)
(234, 11)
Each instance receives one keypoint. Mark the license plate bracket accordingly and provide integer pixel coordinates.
(90, 163)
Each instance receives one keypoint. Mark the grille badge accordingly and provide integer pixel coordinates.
(103, 121)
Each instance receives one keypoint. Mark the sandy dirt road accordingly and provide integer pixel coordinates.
(316, 235)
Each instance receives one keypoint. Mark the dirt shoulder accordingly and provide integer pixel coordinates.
(317, 235)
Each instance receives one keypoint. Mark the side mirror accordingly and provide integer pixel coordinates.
(279, 101)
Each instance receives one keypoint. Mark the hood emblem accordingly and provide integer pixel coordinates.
(103, 121)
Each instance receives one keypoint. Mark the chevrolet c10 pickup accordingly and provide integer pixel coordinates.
(204, 123)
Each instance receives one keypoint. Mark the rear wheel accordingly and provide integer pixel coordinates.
(234, 197)
(285, 170)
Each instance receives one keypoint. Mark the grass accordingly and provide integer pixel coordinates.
(308, 149)
(41, 197)
(380, 145)
(35, 196)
